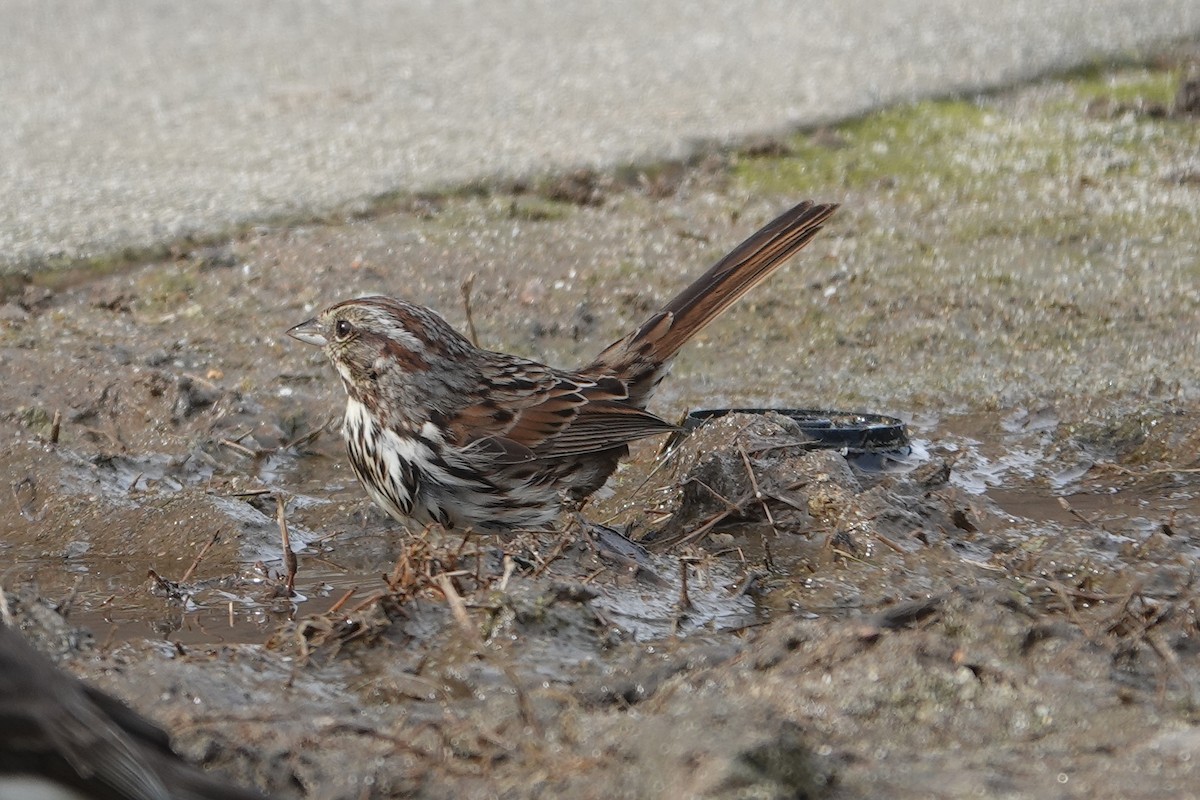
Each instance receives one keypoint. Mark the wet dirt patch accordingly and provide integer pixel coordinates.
(1007, 611)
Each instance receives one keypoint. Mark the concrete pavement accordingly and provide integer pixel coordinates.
(126, 123)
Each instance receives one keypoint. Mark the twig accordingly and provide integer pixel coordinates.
(846, 554)
(893, 545)
(659, 463)
(1069, 609)
(333, 609)
(246, 493)
(329, 562)
(241, 436)
(685, 602)
(163, 584)
(1081, 594)
(762, 501)
(65, 607)
(239, 448)
(465, 289)
(712, 522)
(550, 559)
(591, 576)
(459, 610)
(200, 556)
(509, 566)
(400, 577)
(289, 558)
(375, 598)
(1062, 501)
(1171, 660)
(106, 645)
(306, 438)
(457, 607)
(55, 426)
(463, 543)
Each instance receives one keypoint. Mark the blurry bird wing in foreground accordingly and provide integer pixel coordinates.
(55, 727)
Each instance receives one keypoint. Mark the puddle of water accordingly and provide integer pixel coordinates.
(658, 611)
(1123, 512)
(118, 477)
(343, 544)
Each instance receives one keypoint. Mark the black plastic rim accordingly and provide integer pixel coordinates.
(851, 430)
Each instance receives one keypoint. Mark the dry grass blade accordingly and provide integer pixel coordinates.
(762, 501)
(238, 447)
(216, 537)
(55, 426)
(290, 565)
(458, 608)
(308, 437)
(465, 290)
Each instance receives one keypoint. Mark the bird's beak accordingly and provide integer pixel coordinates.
(308, 332)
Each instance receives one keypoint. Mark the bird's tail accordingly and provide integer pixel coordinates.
(641, 358)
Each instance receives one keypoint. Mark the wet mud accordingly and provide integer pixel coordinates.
(1004, 608)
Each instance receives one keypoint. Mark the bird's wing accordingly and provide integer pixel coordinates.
(49, 719)
(603, 424)
(46, 714)
(531, 412)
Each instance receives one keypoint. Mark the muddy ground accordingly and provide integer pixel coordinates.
(1009, 609)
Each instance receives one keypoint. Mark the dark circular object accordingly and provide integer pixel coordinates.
(857, 433)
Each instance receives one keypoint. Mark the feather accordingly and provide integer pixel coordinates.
(659, 338)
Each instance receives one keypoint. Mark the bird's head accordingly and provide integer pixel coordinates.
(380, 346)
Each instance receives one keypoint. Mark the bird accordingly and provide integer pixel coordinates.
(438, 430)
(61, 739)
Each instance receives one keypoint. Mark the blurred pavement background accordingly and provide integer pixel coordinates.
(127, 123)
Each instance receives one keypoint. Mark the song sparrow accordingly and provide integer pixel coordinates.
(439, 430)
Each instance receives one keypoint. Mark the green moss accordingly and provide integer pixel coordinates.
(531, 208)
(1129, 87)
(889, 148)
(34, 417)
(999, 161)
(163, 289)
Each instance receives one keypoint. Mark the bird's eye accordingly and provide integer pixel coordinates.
(343, 329)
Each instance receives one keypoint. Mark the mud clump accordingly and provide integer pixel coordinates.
(762, 472)
(739, 468)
